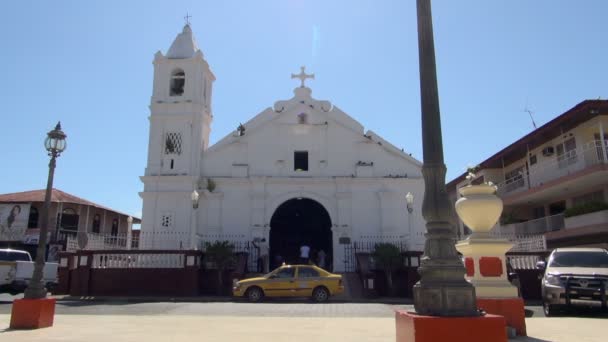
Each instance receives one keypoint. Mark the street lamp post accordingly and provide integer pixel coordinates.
(442, 289)
(55, 144)
(194, 196)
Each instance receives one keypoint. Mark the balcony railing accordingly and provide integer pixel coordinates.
(589, 154)
(531, 227)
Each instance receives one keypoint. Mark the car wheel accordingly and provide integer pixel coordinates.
(549, 310)
(255, 294)
(320, 294)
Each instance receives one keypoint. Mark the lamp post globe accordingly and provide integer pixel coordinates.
(55, 144)
(194, 196)
(409, 200)
(55, 140)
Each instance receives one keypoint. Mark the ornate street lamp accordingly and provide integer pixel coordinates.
(442, 289)
(54, 144)
(194, 197)
(409, 200)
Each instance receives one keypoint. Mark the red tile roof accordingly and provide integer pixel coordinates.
(56, 196)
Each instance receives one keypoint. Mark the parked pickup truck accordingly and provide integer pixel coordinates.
(16, 269)
(574, 277)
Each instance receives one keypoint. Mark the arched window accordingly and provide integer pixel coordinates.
(32, 222)
(96, 223)
(69, 219)
(178, 81)
(114, 227)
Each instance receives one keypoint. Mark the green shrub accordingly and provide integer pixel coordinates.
(388, 257)
(586, 208)
(221, 253)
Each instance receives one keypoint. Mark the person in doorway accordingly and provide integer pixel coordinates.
(304, 254)
(262, 248)
(321, 258)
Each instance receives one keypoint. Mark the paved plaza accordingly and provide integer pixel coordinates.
(133, 320)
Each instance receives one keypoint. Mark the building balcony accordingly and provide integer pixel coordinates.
(533, 227)
(565, 167)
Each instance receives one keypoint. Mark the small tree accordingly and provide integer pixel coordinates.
(388, 257)
(222, 254)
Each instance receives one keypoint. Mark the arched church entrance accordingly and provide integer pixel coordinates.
(297, 222)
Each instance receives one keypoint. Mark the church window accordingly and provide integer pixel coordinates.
(300, 161)
(302, 118)
(166, 220)
(173, 143)
(96, 223)
(178, 81)
(32, 222)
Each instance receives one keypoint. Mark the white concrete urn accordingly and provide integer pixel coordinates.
(479, 207)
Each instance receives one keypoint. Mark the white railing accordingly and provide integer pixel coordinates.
(531, 227)
(141, 241)
(136, 260)
(524, 243)
(586, 155)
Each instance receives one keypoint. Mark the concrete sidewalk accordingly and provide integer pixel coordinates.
(253, 329)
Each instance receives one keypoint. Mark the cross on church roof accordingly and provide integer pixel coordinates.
(187, 18)
(303, 76)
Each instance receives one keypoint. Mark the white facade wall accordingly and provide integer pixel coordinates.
(359, 178)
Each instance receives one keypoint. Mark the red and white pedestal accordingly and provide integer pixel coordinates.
(417, 328)
(485, 262)
(32, 313)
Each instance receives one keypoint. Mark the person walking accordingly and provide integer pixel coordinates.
(304, 254)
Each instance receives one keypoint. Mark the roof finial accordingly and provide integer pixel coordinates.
(303, 76)
(187, 19)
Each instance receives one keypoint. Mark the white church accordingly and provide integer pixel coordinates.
(300, 172)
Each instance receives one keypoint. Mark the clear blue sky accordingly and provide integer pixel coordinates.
(89, 64)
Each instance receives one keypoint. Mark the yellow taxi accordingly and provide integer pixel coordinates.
(291, 281)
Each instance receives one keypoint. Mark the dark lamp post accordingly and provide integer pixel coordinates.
(442, 289)
(54, 144)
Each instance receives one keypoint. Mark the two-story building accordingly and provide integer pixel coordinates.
(553, 181)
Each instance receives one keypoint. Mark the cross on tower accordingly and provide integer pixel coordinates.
(303, 76)
(187, 18)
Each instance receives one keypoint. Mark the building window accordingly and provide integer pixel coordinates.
(538, 212)
(32, 221)
(300, 161)
(533, 159)
(514, 179)
(566, 153)
(302, 118)
(69, 219)
(173, 143)
(115, 227)
(96, 223)
(178, 81)
(597, 196)
(166, 220)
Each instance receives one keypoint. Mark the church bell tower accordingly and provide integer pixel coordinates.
(180, 124)
(180, 108)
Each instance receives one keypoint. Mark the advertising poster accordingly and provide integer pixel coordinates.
(13, 221)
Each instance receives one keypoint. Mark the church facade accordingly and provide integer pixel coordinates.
(300, 172)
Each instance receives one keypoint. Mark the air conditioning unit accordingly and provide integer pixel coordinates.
(548, 151)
